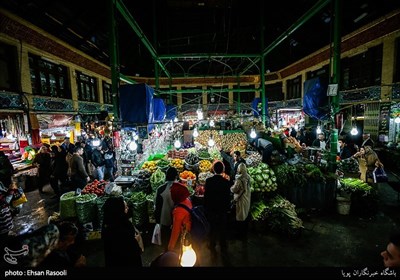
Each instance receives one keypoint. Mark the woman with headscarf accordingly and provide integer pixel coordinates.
(180, 216)
(242, 196)
(120, 245)
(370, 160)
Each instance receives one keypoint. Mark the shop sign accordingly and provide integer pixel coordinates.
(10, 100)
(51, 104)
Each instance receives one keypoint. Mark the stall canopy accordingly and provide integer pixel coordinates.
(170, 112)
(315, 103)
(136, 103)
(159, 109)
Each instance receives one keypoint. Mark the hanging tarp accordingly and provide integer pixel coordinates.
(256, 105)
(159, 109)
(136, 103)
(170, 112)
(47, 121)
(315, 102)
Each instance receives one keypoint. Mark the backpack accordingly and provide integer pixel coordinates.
(200, 225)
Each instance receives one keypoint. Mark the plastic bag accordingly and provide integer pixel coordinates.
(156, 238)
(379, 175)
(18, 197)
(139, 239)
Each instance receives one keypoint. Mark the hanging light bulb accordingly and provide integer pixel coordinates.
(296, 126)
(275, 127)
(132, 146)
(212, 123)
(253, 133)
(53, 137)
(177, 144)
(195, 132)
(188, 258)
(319, 129)
(354, 131)
(175, 119)
(397, 119)
(211, 142)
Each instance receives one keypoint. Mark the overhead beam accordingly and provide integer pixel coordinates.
(303, 19)
(209, 90)
(135, 26)
(205, 56)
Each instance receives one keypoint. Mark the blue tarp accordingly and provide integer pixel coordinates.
(171, 112)
(159, 109)
(315, 102)
(256, 105)
(136, 103)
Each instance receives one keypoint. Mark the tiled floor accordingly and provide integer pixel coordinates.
(328, 239)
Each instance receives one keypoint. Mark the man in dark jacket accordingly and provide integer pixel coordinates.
(217, 199)
(234, 162)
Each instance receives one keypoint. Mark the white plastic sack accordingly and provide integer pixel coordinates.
(156, 238)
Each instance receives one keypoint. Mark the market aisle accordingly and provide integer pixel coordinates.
(327, 240)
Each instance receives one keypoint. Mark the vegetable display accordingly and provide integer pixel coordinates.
(157, 179)
(349, 165)
(282, 216)
(262, 178)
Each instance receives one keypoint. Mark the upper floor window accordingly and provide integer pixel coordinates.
(274, 92)
(48, 78)
(396, 77)
(8, 68)
(362, 70)
(107, 95)
(293, 88)
(87, 87)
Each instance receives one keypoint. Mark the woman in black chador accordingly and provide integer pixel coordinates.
(118, 234)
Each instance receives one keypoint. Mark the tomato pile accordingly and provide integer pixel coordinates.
(96, 187)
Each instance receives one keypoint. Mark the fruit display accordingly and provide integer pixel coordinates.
(150, 166)
(187, 175)
(262, 178)
(178, 164)
(96, 187)
(177, 154)
(205, 165)
(228, 142)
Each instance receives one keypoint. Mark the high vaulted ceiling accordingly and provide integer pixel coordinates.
(197, 27)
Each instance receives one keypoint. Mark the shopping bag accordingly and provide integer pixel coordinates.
(156, 238)
(139, 239)
(379, 175)
(18, 198)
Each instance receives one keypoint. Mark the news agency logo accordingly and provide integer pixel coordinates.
(10, 255)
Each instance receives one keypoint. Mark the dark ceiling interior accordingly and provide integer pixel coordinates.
(197, 26)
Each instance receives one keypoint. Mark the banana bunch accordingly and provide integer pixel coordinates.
(205, 165)
(150, 166)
